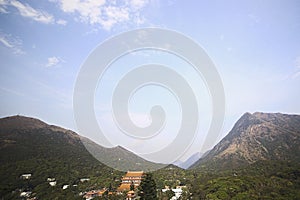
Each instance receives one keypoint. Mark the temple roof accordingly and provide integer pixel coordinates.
(134, 173)
(124, 187)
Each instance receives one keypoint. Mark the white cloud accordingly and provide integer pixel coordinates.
(107, 14)
(88, 10)
(3, 6)
(26, 10)
(3, 10)
(13, 43)
(113, 15)
(54, 61)
(138, 4)
(5, 42)
(61, 22)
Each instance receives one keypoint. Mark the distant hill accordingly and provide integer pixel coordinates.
(120, 158)
(28, 145)
(188, 162)
(255, 137)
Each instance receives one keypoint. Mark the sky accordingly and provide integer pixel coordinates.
(253, 44)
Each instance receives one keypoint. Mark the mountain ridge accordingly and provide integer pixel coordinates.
(117, 157)
(257, 136)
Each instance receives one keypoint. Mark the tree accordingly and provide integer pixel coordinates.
(147, 188)
(131, 186)
(109, 189)
(170, 193)
(185, 194)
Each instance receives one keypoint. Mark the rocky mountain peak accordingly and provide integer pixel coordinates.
(257, 136)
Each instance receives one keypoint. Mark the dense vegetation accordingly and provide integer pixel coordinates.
(147, 188)
(45, 154)
(172, 176)
(261, 180)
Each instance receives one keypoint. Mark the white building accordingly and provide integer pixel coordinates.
(25, 194)
(65, 187)
(52, 183)
(177, 191)
(26, 176)
(84, 180)
(50, 179)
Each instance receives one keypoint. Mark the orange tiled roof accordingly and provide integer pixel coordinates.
(134, 173)
(94, 192)
(100, 192)
(124, 187)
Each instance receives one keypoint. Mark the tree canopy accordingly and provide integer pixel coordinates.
(147, 188)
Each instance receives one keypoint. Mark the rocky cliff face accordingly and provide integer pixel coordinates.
(258, 136)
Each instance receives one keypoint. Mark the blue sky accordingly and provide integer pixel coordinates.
(254, 45)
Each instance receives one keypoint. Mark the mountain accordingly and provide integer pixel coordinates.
(255, 137)
(120, 158)
(30, 146)
(188, 162)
